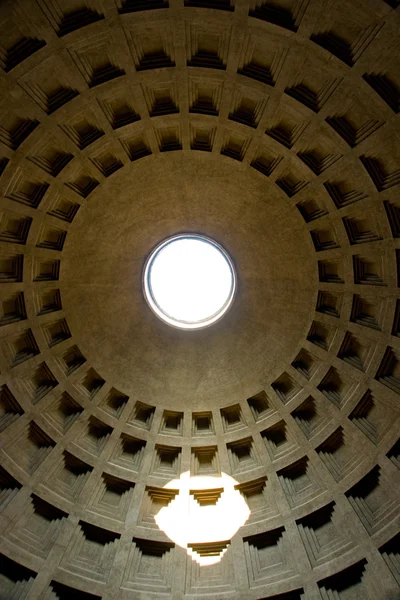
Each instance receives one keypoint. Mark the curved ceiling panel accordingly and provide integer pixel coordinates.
(272, 128)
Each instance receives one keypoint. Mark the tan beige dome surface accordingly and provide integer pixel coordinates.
(102, 288)
(272, 128)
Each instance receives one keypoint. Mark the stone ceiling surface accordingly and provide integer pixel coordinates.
(273, 128)
(103, 264)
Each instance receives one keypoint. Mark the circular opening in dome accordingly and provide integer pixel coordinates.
(189, 281)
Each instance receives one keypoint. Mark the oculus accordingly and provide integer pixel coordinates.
(189, 281)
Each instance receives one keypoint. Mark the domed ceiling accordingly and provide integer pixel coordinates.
(273, 129)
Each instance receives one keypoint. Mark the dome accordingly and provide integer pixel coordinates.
(254, 458)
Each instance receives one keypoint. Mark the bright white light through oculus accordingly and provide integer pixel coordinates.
(187, 522)
(189, 281)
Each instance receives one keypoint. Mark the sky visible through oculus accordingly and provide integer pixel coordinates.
(190, 279)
